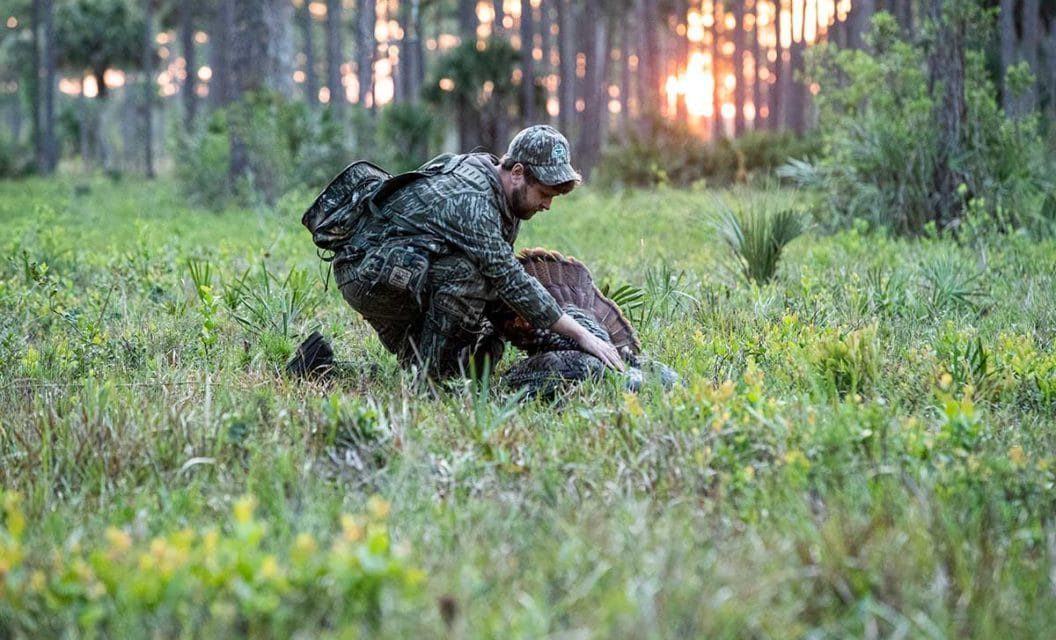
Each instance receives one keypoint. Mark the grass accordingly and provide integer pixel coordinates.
(863, 446)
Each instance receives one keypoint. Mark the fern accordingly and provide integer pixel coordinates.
(757, 237)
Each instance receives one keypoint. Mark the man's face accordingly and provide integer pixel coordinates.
(529, 199)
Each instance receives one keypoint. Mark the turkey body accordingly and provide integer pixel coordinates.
(555, 362)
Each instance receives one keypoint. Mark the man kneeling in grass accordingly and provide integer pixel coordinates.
(434, 259)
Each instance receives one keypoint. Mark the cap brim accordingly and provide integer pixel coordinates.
(551, 175)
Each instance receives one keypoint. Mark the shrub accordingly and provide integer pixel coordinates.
(409, 133)
(756, 237)
(288, 144)
(16, 159)
(847, 362)
(213, 582)
(671, 152)
(882, 147)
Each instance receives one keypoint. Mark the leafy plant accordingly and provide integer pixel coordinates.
(266, 305)
(848, 362)
(882, 146)
(953, 285)
(203, 582)
(756, 237)
(202, 277)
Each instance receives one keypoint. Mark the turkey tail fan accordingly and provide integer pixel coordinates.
(571, 284)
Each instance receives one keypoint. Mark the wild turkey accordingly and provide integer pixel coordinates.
(554, 360)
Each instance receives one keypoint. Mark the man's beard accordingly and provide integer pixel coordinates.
(517, 203)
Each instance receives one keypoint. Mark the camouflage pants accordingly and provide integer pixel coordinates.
(429, 314)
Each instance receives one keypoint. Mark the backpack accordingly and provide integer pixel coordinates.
(333, 215)
(355, 192)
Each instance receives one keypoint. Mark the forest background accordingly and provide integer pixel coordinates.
(835, 220)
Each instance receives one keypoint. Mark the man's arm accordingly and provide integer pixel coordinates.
(589, 342)
(472, 225)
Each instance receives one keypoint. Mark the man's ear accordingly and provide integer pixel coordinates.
(517, 171)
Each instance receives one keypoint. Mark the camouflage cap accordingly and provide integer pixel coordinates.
(544, 150)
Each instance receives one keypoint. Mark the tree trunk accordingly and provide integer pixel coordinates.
(567, 56)
(466, 120)
(334, 57)
(738, 69)
(595, 115)
(47, 117)
(1049, 45)
(497, 26)
(648, 58)
(83, 139)
(261, 51)
(1007, 31)
(467, 19)
(414, 75)
(527, 64)
(102, 145)
(625, 70)
(545, 24)
(860, 19)
(797, 106)
(220, 37)
(148, 88)
(188, 90)
(34, 83)
(311, 84)
(775, 119)
(680, 59)
(903, 11)
(365, 45)
(718, 127)
(1030, 25)
(946, 84)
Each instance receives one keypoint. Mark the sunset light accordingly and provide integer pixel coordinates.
(694, 85)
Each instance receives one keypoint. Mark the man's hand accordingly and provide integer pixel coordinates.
(589, 342)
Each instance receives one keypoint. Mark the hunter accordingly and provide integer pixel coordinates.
(435, 258)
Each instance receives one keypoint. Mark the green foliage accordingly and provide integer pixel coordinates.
(757, 237)
(97, 35)
(410, 132)
(847, 361)
(16, 159)
(952, 284)
(882, 146)
(289, 146)
(667, 152)
(215, 581)
(837, 444)
(482, 87)
(202, 159)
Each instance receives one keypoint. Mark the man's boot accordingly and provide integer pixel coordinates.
(314, 358)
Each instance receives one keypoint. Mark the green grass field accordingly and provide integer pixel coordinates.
(862, 448)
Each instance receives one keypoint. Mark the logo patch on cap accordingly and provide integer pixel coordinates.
(559, 153)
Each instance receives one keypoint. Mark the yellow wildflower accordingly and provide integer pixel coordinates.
(351, 530)
(16, 520)
(120, 541)
(378, 507)
(37, 581)
(1017, 456)
(725, 391)
(630, 401)
(269, 568)
(243, 509)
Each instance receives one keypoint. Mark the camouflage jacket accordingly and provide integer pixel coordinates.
(463, 209)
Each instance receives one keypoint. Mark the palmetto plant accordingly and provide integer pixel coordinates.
(954, 284)
(756, 237)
